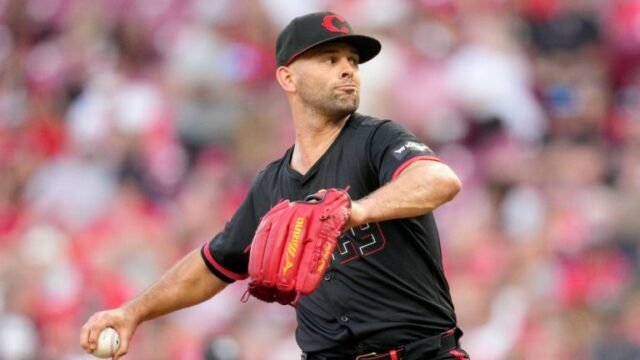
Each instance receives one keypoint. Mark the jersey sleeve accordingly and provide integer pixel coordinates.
(227, 254)
(392, 148)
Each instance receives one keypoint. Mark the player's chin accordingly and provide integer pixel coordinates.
(347, 105)
(343, 111)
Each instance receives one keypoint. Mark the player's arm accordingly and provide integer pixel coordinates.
(420, 188)
(187, 283)
(195, 278)
(412, 179)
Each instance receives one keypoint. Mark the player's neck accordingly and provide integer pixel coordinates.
(314, 136)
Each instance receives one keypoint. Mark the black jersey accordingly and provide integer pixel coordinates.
(385, 286)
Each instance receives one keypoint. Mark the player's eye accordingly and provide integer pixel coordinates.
(330, 60)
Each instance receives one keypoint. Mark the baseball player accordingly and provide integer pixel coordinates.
(374, 288)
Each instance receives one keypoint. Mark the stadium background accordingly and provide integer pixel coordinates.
(130, 130)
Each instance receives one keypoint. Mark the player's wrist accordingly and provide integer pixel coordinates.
(134, 312)
(358, 215)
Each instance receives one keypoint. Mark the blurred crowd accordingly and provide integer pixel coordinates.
(131, 129)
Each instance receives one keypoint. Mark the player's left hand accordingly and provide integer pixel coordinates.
(358, 216)
(293, 245)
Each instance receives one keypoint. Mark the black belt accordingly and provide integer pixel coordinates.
(448, 341)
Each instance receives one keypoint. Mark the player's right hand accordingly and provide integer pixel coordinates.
(120, 319)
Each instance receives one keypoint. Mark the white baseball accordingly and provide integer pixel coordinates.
(108, 343)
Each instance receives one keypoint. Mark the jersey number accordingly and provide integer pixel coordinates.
(360, 242)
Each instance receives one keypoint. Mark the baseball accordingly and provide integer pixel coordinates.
(108, 343)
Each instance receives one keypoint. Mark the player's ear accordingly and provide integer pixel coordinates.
(284, 75)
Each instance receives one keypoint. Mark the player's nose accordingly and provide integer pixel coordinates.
(347, 68)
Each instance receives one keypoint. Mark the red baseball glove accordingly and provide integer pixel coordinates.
(292, 247)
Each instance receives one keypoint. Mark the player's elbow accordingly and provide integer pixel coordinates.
(454, 185)
(438, 183)
(449, 183)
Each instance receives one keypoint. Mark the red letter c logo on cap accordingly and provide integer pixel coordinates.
(327, 23)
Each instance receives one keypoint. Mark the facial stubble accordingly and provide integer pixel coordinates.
(331, 102)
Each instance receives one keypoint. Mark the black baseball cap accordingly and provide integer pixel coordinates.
(308, 31)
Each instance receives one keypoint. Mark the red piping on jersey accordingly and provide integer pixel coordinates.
(405, 164)
(225, 272)
(458, 354)
(393, 355)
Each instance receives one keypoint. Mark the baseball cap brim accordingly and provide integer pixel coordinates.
(366, 46)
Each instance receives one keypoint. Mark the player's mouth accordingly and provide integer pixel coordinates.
(347, 87)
